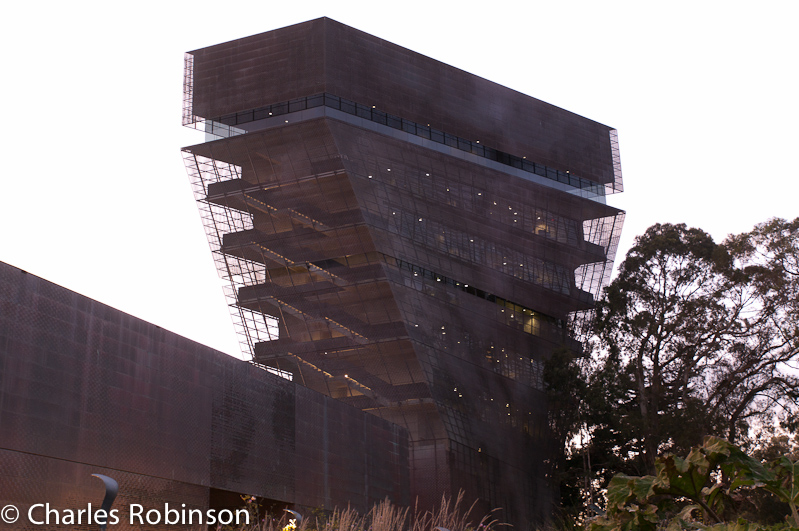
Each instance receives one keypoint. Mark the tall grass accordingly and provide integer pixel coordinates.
(449, 515)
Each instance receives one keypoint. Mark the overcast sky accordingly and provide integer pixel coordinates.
(94, 196)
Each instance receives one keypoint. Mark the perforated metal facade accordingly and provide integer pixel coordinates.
(87, 389)
(404, 237)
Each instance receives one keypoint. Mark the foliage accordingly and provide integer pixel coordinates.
(692, 338)
(697, 492)
(695, 336)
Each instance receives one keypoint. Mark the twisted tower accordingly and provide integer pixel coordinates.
(406, 237)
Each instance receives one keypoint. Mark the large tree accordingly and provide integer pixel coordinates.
(758, 378)
(693, 338)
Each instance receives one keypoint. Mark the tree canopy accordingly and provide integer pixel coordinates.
(692, 338)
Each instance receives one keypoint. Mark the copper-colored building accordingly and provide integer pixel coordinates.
(87, 389)
(406, 237)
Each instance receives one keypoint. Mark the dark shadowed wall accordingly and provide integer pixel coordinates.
(85, 389)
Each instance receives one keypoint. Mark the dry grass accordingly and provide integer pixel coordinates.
(384, 516)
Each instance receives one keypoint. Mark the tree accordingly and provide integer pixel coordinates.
(768, 260)
(694, 338)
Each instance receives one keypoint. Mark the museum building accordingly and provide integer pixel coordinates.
(406, 238)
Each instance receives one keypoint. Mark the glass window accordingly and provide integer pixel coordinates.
(244, 117)
(332, 101)
(379, 116)
(348, 107)
(228, 119)
(317, 100)
(363, 111)
(280, 108)
(297, 105)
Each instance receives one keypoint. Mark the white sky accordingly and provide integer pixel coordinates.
(94, 196)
